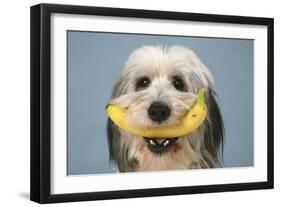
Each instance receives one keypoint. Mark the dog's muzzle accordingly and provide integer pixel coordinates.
(160, 146)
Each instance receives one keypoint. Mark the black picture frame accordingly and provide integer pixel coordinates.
(41, 98)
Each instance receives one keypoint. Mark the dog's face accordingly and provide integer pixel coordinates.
(157, 86)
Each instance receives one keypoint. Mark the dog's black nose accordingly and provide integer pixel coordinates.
(158, 111)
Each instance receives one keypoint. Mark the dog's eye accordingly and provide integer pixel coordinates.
(179, 84)
(142, 83)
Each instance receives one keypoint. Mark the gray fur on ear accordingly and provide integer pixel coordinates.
(118, 153)
(213, 132)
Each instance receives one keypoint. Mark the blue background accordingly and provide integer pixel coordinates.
(96, 59)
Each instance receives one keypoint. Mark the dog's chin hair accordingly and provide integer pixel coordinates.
(199, 149)
(182, 156)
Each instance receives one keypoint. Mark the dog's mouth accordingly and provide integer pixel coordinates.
(160, 146)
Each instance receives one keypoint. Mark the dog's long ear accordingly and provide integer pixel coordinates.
(113, 133)
(113, 136)
(118, 152)
(212, 148)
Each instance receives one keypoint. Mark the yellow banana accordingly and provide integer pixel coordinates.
(188, 123)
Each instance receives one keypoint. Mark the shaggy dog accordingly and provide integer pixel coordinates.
(157, 86)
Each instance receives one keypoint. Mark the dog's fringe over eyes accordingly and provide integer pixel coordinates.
(200, 149)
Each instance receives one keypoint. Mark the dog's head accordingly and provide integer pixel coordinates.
(157, 86)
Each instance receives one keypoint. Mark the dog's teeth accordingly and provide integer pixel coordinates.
(166, 142)
(151, 142)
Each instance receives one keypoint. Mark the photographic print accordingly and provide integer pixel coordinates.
(154, 81)
(132, 103)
